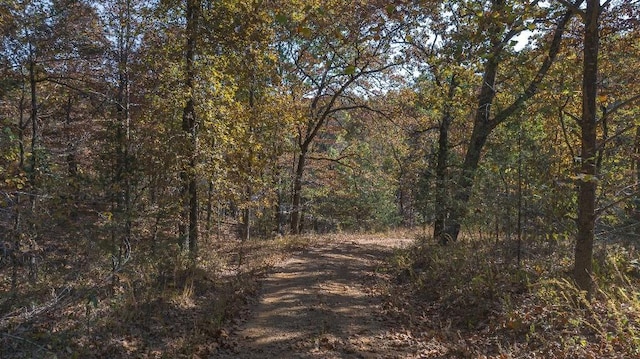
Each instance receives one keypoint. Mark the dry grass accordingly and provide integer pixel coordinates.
(470, 299)
(477, 300)
(156, 305)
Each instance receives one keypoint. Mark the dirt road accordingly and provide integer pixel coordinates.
(319, 304)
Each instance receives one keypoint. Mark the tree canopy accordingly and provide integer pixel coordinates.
(174, 123)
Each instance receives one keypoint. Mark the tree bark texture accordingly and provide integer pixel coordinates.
(482, 127)
(587, 180)
(34, 118)
(296, 211)
(189, 127)
(635, 169)
(442, 200)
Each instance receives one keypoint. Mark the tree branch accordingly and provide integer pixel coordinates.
(615, 135)
(554, 49)
(564, 129)
(574, 117)
(353, 107)
(575, 8)
(620, 104)
(601, 210)
(604, 6)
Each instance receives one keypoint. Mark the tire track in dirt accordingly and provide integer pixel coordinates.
(317, 304)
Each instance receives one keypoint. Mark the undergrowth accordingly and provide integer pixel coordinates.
(159, 304)
(480, 300)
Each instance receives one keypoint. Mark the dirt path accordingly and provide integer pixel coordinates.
(318, 304)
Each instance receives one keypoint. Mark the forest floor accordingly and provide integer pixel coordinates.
(396, 295)
(322, 303)
(386, 295)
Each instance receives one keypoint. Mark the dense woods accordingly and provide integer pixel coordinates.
(138, 136)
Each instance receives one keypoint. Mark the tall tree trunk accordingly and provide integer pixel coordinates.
(22, 126)
(209, 207)
(246, 224)
(280, 217)
(635, 169)
(34, 122)
(460, 201)
(441, 200)
(587, 184)
(246, 212)
(296, 211)
(484, 123)
(246, 215)
(189, 127)
(482, 127)
(72, 163)
(121, 234)
(189, 177)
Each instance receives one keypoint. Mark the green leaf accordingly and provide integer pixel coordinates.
(391, 9)
(282, 19)
(350, 70)
(304, 31)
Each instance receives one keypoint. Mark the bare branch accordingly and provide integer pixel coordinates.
(333, 160)
(360, 106)
(574, 117)
(626, 196)
(425, 130)
(531, 90)
(620, 104)
(604, 6)
(564, 129)
(574, 8)
(615, 135)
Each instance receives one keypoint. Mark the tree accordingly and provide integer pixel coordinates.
(49, 50)
(500, 27)
(588, 174)
(329, 52)
(189, 234)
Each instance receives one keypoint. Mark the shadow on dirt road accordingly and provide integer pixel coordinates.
(318, 304)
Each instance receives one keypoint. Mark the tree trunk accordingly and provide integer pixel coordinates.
(280, 218)
(587, 179)
(22, 126)
(209, 207)
(72, 163)
(484, 123)
(34, 123)
(122, 181)
(459, 204)
(296, 211)
(635, 169)
(193, 213)
(190, 192)
(246, 215)
(246, 224)
(482, 127)
(441, 200)
(189, 127)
